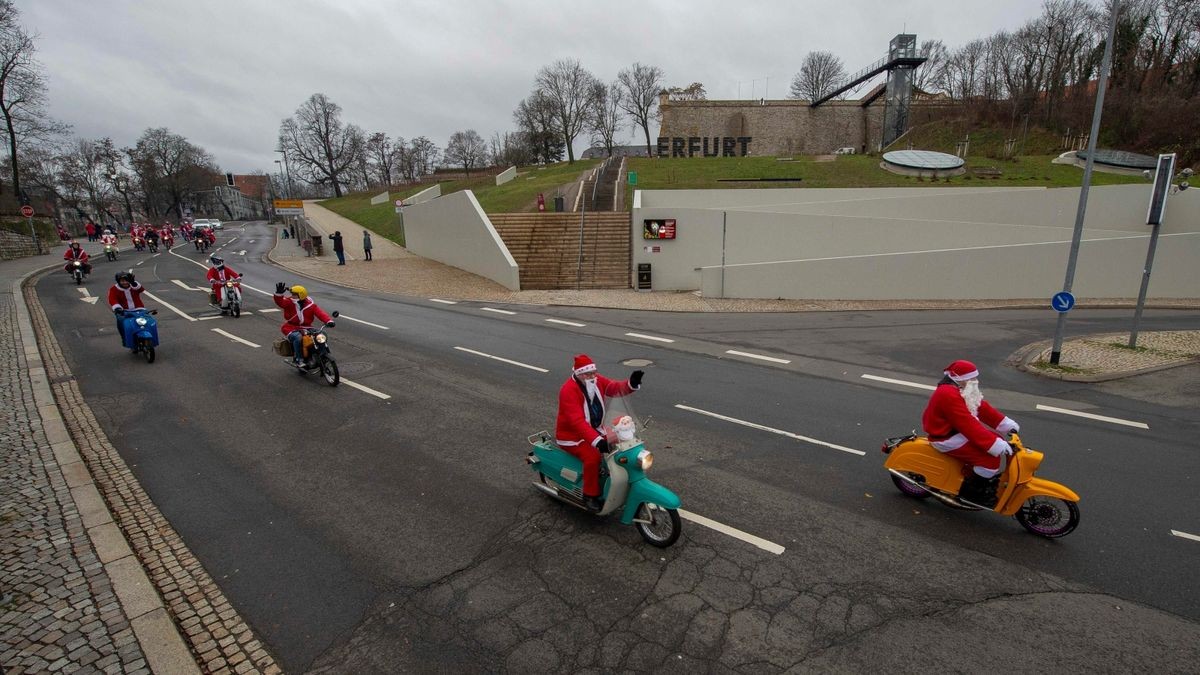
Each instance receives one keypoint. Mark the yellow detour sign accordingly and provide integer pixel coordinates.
(289, 207)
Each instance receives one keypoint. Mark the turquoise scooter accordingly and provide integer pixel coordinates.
(625, 489)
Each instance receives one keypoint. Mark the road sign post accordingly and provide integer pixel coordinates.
(1158, 205)
(27, 211)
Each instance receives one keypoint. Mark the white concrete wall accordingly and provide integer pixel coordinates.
(506, 175)
(776, 242)
(428, 194)
(454, 230)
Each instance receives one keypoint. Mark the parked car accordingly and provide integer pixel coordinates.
(201, 223)
(217, 225)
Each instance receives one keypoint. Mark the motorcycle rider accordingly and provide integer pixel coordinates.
(961, 424)
(168, 237)
(579, 429)
(299, 310)
(109, 238)
(217, 275)
(151, 236)
(125, 294)
(75, 252)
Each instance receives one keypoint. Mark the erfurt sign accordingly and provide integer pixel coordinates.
(705, 146)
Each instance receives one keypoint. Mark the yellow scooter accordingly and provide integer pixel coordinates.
(1043, 507)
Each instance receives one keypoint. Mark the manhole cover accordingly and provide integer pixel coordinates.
(637, 363)
(354, 367)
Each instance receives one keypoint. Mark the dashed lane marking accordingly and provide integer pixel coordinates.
(1090, 416)
(208, 318)
(444, 302)
(368, 323)
(168, 305)
(650, 337)
(760, 427)
(366, 389)
(760, 357)
(903, 383)
(768, 546)
(268, 311)
(497, 311)
(504, 360)
(1185, 535)
(235, 338)
(566, 323)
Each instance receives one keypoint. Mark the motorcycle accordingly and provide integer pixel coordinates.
(624, 487)
(168, 241)
(139, 244)
(1043, 507)
(152, 245)
(140, 330)
(315, 356)
(232, 294)
(201, 243)
(110, 251)
(77, 272)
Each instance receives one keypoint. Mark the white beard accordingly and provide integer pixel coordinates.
(593, 389)
(972, 396)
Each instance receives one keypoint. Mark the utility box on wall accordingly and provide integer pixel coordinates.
(643, 279)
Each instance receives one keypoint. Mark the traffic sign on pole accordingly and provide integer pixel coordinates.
(27, 211)
(1062, 301)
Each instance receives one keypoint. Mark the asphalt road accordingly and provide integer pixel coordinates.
(359, 533)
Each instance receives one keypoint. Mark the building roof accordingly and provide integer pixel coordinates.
(598, 152)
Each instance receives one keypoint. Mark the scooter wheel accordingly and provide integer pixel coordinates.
(237, 310)
(149, 352)
(663, 527)
(908, 488)
(329, 371)
(1049, 517)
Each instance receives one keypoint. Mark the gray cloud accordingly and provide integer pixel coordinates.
(225, 72)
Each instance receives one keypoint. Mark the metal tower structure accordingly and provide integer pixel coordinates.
(901, 60)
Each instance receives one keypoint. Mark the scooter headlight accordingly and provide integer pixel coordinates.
(320, 338)
(140, 321)
(228, 284)
(645, 460)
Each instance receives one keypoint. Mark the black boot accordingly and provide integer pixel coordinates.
(593, 504)
(979, 491)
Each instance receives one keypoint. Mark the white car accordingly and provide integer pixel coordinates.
(217, 225)
(201, 222)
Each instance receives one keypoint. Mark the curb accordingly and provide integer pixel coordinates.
(161, 643)
(1024, 358)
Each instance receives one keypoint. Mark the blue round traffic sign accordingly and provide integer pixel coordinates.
(1062, 301)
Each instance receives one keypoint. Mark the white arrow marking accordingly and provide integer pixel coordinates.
(84, 290)
(185, 286)
(242, 252)
(87, 297)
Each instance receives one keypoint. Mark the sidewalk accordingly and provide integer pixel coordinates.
(327, 222)
(93, 577)
(1086, 358)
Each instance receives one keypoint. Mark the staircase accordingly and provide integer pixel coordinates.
(599, 189)
(546, 247)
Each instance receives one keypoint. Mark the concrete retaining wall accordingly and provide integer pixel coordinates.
(428, 194)
(455, 231)
(506, 175)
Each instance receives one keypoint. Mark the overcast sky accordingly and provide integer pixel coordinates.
(224, 73)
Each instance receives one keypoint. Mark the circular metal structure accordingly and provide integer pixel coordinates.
(1121, 158)
(922, 160)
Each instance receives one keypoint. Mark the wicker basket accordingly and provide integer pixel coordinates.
(283, 347)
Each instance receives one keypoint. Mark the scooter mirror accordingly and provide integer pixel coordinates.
(335, 314)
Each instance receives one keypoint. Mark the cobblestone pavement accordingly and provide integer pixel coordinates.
(1090, 357)
(215, 633)
(58, 609)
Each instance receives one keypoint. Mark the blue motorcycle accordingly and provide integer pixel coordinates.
(139, 329)
(641, 502)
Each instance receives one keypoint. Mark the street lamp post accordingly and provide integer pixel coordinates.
(287, 174)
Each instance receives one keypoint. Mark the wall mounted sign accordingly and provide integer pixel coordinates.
(658, 229)
(705, 146)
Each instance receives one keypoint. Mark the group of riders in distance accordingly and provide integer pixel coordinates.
(143, 237)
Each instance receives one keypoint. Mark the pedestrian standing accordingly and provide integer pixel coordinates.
(91, 230)
(336, 238)
(366, 244)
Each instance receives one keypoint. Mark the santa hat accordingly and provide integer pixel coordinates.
(961, 371)
(584, 364)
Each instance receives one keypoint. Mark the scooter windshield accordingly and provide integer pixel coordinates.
(621, 423)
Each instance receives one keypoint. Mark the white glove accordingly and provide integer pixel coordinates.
(1000, 447)
(1008, 425)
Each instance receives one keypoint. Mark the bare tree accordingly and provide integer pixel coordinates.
(568, 87)
(692, 92)
(84, 176)
(928, 76)
(323, 148)
(425, 156)
(22, 91)
(821, 73)
(641, 85)
(607, 115)
(172, 169)
(534, 117)
(466, 149)
(382, 153)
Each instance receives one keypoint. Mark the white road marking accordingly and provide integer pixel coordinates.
(1185, 535)
(139, 263)
(185, 287)
(650, 337)
(1090, 416)
(566, 323)
(497, 311)
(903, 383)
(268, 311)
(355, 385)
(87, 297)
(497, 358)
(235, 338)
(168, 305)
(242, 252)
(444, 302)
(350, 318)
(251, 241)
(209, 318)
(748, 355)
(768, 546)
(155, 255)
(760, 427)
(232, 240)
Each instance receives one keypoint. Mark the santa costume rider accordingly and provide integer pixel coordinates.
(579, 429)
(961, 424)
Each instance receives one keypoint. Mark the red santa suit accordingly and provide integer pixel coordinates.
(578, 428)
(217, 277)
(126, 298)
(298, 314)
(72, 254)
(954, 430)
